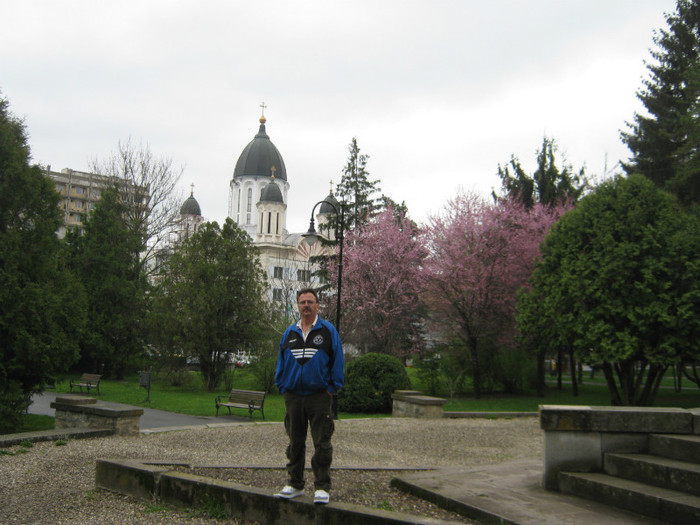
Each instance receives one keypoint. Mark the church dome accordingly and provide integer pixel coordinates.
(190, 206)
(260, 158)
(271, 192)
(328, 208)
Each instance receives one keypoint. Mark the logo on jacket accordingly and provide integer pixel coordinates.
(302, 355)
(318, 339)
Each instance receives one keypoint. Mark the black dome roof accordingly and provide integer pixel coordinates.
(271, 192)
(328, 208)
(259, 157)
(190, 207)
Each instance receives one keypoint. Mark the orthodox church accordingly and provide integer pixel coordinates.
(258, 199)
(257, 203)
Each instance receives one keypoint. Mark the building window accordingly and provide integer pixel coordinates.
(249, 205)
(79, 190)
(277, 272)
(277, 294)
(303, 275)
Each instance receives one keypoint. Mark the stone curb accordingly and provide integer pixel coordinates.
(10, 440)
(488, 415)
(159, 483)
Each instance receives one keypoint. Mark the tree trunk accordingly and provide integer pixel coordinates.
(559, 367)
(574, 383)
(540, 373)
(476, 367)
(615, 399)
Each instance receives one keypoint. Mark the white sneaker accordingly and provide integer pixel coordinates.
(321, 497)
(289, 492)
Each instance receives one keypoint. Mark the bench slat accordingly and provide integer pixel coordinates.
(246, 399)
(88, 381)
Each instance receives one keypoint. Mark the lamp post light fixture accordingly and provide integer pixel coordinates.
(312, 236)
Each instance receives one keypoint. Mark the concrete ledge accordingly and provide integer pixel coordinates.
(616, 419)
(159, 483)
(11, 440)
(78, 411)
(411, 403)
(488, 415)
(576, 438)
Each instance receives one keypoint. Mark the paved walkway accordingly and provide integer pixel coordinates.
(507, 492)
(151, 420)
(512, 493)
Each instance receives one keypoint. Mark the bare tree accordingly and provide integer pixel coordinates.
(147, 184)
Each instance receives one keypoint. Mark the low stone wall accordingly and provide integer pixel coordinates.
(162, 483)
(74, 411)
(577, 437)
(411, 403)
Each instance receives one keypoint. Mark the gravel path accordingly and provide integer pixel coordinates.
(50, 484)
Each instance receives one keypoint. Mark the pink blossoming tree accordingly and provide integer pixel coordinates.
(382, 287)
(481, 254)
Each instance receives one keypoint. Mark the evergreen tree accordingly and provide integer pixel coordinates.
(106, 258)
(356, 189)
(664, 141)
(41, 308)
(548, 185)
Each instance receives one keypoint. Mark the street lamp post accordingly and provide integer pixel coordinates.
(312, 236)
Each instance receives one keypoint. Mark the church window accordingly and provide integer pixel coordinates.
(277, 226)
(269, 220)
(249, 205)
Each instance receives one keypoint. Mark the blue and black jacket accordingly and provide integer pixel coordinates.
(312, 365)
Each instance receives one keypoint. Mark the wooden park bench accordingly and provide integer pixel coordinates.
(88, 381)
(248, 399)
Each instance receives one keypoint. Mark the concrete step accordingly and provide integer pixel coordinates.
(683, 447)
(659, 503)
(655, 470)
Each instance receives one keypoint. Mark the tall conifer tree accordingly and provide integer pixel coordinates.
(41, 308)
(356, 188)
(664, 141)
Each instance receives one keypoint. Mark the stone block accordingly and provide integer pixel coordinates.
(410, 403)
(128, 477)
(615, 419)
(123, 420)
(570, 451)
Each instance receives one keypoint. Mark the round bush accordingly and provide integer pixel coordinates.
(369, 382)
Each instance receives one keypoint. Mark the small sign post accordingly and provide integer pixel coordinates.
(145, 382)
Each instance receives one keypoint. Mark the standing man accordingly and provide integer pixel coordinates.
(310, 369)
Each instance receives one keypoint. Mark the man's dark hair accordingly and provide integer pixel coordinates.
(307, 290)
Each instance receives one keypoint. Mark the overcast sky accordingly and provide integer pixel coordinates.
(437, 92)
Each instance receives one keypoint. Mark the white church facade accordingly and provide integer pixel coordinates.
(258, 200)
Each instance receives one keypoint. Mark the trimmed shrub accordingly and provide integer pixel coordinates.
(369, 382)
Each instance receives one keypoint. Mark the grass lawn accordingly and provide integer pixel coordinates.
(193, 399)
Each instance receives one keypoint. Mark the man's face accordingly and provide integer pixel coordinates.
(308, 306)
